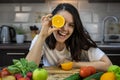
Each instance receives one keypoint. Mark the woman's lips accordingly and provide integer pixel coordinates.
(62, 34)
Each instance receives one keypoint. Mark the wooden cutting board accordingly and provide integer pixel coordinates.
(58, 70)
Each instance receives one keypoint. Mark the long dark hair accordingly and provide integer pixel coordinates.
(79, 40)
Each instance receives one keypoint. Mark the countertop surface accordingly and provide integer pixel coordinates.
(56, 73)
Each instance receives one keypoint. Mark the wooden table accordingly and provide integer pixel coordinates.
(56, 73)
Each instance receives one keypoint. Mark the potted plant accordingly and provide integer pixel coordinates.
(20, 34)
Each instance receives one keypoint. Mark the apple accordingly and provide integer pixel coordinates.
(40, 74)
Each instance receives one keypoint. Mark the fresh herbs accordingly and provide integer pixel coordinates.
(22, 66)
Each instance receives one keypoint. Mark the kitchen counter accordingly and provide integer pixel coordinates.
(14, 50)
(109, 46)
(14, 46)
(26, 46)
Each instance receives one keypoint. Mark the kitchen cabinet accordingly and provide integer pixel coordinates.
(7, 57)
(8, 52)
(114, 56)
(112, 51)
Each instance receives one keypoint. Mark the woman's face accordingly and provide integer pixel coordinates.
(66, 31)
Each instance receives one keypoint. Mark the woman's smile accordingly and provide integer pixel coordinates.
(62, 34)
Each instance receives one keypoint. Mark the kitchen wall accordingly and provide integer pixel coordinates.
(92, 15)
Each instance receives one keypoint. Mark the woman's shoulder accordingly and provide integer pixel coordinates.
(94, 49)
(90, 49)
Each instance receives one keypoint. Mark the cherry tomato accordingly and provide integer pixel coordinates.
(4, 69)
(84, 72)
(4, 72)
(24, 78)
(92, 69)
(0, 74)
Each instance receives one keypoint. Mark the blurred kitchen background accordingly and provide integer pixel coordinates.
(99, 17)
(92, 15)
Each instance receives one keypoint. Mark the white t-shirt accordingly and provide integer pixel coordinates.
(51, 57)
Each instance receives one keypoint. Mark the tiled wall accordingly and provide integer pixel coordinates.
(92, 15)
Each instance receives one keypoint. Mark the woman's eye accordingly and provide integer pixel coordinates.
(71, 25)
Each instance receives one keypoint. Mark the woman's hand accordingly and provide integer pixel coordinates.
(47, 28)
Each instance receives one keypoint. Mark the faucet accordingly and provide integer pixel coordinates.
(103, 24)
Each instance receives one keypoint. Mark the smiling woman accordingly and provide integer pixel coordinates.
(71, 42)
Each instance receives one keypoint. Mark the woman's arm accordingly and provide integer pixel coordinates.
(35, 53)
(101, 65)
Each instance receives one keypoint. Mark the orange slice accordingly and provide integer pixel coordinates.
(67, 65)
(58, 21)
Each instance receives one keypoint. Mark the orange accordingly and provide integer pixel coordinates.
(67, 65)
(108, 76)
(58, 21)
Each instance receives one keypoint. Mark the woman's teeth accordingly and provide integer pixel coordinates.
(61, 33)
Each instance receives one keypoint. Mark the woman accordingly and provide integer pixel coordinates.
(69, 43)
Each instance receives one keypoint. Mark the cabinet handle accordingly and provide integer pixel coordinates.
(15, 53)
(113, 54)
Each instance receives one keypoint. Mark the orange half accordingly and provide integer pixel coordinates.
(58, 21)
(67, 65)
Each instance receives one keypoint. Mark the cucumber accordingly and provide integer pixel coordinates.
(95, 76)
(75, 76)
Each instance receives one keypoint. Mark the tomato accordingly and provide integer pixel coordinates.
(84, 72)
(4, 73)
(24, 78)
(4, 69)
(92, 69)
(0, 74)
